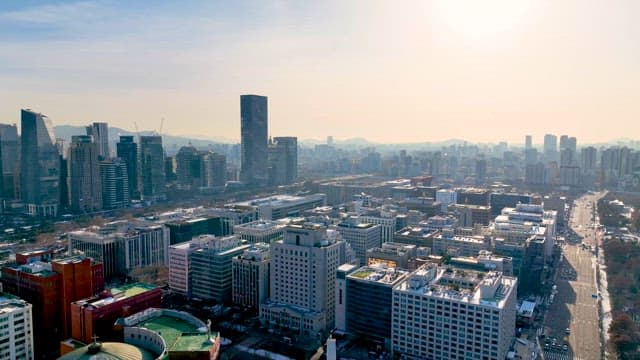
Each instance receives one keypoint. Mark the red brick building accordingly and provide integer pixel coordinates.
(51, 287)
(97, 315)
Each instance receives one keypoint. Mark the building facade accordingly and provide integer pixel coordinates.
(85, 183)
(254, 139)
(16, 334)
(152, 171)
(127, 150)
(250, 276)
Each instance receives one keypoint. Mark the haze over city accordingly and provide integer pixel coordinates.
(424, 71)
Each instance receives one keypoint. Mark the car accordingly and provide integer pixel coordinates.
(595, 296)
(567, 331)
(565, 347)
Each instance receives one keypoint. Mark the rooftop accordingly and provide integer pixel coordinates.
(118, 294)
(10, 303)
(379, 274)
(110, 351)
(179, 330)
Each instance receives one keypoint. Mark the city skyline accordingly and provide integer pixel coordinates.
(427, 71)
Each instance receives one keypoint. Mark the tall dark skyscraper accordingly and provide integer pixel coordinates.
(127, 150)
(39, 165)
(152, 168)
(254, 139)
(85, 185)
(10, 159)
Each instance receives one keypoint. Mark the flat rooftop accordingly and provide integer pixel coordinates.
(179, 335)
(379, 274)
(119, 294)
(10, 303)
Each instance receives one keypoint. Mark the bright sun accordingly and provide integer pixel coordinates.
(481, 20)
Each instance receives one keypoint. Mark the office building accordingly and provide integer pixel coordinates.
(500, 201)
(473, 196)
(361, 236)
(386, 220)
(444, 313)
(85, 184)
(415, 235)
(16, 336)
(470, 215)
(214, 172)
(10, 160)
(302, 279)
(254, 138)
(446, 197)
(211, 266)
(50, 286)
(115, 184)
(96, 315)
(188, 168)
(152, 169)
(283, 160)
(448, 243)
(39, 165)
(100, 133)
(369, 302)
(528, 142)
(171, 334)
(281, 206)
(260, 231)
(250, 276)
(123, 245)
(393, 255)
(127, 150)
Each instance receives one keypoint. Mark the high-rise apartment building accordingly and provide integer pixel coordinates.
(152, 168)
(250, 276)
(550, 147)
(254, 138)
(127, 150)
(446, 313)
(85, 184)
(302, 281)
(39, 165)
(528, 142)
(16, 334)
(100, 133)
(283, 160)
(588, 158)
(115, 184)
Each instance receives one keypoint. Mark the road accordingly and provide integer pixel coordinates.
(574, 306)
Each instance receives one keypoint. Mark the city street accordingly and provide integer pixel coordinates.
(573, 316)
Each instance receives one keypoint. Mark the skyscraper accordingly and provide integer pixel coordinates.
(188, 168)
(152, 171)
(254, 133)
(528, 143)
(283, 160)
(10, 159)
(115, 184)
(100, 133)
(127, 150)
(39, 165)
(550, 147)
(214, 170)
(85, 185)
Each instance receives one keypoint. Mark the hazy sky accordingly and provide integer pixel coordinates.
(388, 71)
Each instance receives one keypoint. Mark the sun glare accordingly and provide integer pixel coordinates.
(481, 20)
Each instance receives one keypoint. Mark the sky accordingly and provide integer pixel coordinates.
(387, 71)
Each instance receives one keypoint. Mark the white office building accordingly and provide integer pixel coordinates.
(446, 313)
(361, 237)
(16, 328)
(302, 279)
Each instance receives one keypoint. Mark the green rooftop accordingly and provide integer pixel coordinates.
(362, 274)
(178, 334)
(132, 289)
